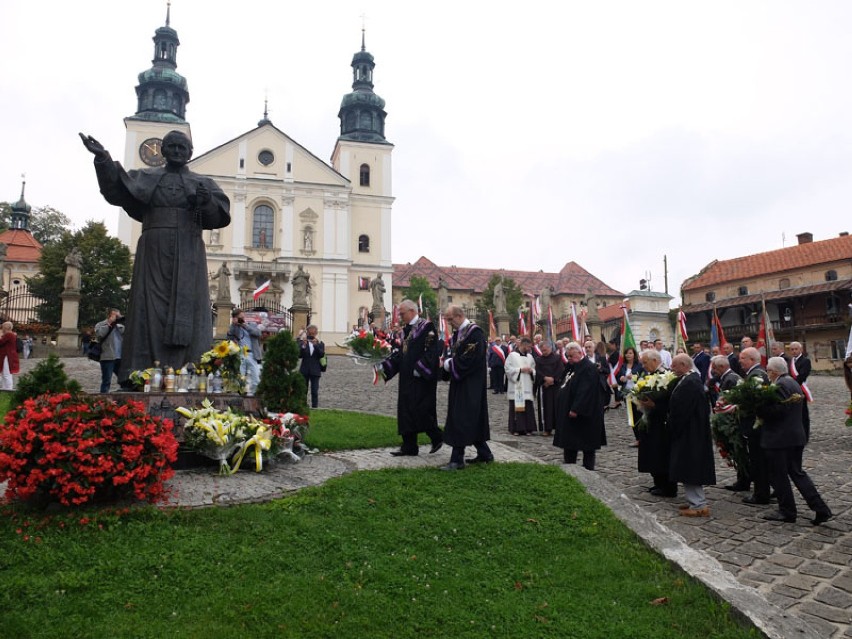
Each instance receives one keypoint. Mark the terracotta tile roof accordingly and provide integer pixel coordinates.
(572, 279)
(785, 259)
(787, 293)
(21, 246)
(609, 313)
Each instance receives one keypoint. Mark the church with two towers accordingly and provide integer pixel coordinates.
(289, 209)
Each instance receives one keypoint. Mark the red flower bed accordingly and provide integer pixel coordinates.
(76, 450)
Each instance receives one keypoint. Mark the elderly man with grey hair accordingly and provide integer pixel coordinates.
(783, 442)
(725, 379)
(654, 440)
(417, 364)
(691, 461)
(580, 409)
(800, 368)
(758, 471)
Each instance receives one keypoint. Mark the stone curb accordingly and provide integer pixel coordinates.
(746, 601)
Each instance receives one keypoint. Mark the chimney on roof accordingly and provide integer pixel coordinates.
(805, 238)
(844, 233)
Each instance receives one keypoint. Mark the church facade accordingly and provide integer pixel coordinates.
(289, 209)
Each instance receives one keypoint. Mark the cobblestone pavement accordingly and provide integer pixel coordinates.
(805, 570)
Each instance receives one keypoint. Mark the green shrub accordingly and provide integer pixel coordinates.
(48, 377)
(282, 388)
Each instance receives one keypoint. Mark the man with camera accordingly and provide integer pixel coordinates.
(311, 351)
(110, 334)
(247, 335)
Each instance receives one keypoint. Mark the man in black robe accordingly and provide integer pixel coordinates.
(691, 461)
(549, 369)
(168, 319)
(580, 409)
(416, 362)
(654, 440)
(467, 405)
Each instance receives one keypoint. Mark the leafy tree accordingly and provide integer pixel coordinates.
(47, 224)
(418, 286)
(514, 298)
(105, 280)
(282, 388)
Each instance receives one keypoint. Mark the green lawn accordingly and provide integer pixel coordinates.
(508, 550)
(346, 430)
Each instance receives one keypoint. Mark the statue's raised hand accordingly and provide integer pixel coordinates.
(93, 146)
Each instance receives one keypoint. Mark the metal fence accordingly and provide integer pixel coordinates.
(20, 306)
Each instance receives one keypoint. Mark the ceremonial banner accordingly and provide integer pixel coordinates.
(680, 332)
(492, 328)
(717, 334)
(575, 325)
(627, 341)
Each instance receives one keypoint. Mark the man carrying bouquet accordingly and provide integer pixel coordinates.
(416, 362)
(783, 442)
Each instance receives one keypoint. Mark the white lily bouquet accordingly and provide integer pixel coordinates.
(224, 435)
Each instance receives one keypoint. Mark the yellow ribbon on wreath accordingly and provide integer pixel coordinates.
(261, 441)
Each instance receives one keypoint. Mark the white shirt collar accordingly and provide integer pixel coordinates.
(414, 320)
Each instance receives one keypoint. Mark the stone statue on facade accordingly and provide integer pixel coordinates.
(443, 295)
(499, 297)
(168, 319)
(73, 268)
(545, 299)
(301, 287)
(377, 288)
(223, 275)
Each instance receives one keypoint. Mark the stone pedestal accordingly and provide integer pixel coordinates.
(301, 315)
(223, 318)
(68, 336)
(502, 321)
(378, 316)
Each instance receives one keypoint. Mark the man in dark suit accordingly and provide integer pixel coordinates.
(733, 359)
(497, 363)
(783, 441)
(467, 404)
(311, 351)
(691, 460)
(701, 360)
(800, 368)
(580, 409)
(750, 363)
(416, 361)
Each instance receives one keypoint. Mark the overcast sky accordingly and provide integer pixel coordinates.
(526, 135)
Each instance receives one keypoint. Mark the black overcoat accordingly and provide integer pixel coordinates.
(416, 410)
(467, 405)
(691, 459)
(654, 441)
(585, 393)
(782, 423)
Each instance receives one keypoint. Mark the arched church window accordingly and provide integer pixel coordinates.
(264, 218)
(365, 175)
(363, 243)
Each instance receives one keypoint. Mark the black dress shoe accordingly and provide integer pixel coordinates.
(659, 492)
(452, 466)
(479, 460)
(402, 453)
(436, 447)
(779, 516)
(821, 518)
(751, 500)
(738, 488)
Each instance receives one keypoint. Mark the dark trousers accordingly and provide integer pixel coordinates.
(108, 367)
(785, 464)
(806, 420)
(482, 451)
(313, 383)
(570, 457)
(498, 379)
(758, 469)
(662, 482)
(409, 440)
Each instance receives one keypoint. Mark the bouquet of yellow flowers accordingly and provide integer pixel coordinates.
(225, 357)
(653, 386)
